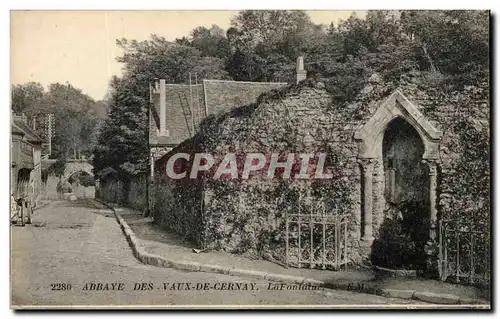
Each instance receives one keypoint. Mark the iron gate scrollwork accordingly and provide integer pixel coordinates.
(464, 252)
(317, 238)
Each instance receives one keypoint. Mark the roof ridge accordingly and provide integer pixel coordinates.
(27, 131)
(181, 84)
(243, 82)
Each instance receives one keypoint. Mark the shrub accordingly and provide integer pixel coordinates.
(401, 242)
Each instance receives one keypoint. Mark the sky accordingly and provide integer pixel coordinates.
(79, 47)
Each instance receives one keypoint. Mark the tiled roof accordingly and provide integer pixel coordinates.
(20, 127)
(223, 96)
(179, 116)
(213, 96)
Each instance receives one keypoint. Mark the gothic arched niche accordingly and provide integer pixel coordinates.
(406, 177)
(397, 127)
(370, 135)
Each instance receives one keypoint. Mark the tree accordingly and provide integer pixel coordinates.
(74, 120)
(453, 42)
(26, 98)
(241, 66)
(269, 26)
(265, 43)
(123, 139)
(75, 113)
(58, 167)
(210, 42)
(158, 58)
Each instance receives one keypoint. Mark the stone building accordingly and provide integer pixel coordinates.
(26, 146)
(178, 109)
(396, 153)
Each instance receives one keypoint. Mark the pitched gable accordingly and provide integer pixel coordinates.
(396, 105)
(20, 127)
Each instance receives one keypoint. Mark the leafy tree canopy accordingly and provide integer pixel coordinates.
(263, 45)
(76, 116)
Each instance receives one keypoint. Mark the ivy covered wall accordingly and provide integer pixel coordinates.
(247, 216)
(464, 117)
(131, 192)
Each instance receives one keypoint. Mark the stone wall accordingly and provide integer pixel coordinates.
(464, 170)
(75, 165)
(178, 208)
(49, 188)
(111, 191)
(137, 193)
(81, 191)
(247, 216)
(132, 193)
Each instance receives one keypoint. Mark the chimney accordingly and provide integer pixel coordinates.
(163, 108)
(301, 73)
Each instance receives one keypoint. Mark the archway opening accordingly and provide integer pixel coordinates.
(82, 184)
(405, 175)
(405, 228)
(23, 178)
(82, 178)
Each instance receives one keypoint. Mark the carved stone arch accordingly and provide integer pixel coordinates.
(74, 166)
(370, 138)
(370, 135)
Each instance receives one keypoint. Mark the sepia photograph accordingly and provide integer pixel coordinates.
(250, 159)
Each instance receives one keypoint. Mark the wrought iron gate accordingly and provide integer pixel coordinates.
(464, 252)
(316, 239)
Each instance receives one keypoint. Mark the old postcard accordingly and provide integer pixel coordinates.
(250, 159)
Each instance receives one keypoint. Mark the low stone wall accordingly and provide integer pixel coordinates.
(49, 188)
(83, 192)
(132, 193)
(111, 191)
(137, 193)
(179, 208)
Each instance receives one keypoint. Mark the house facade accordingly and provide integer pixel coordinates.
(26, 170)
